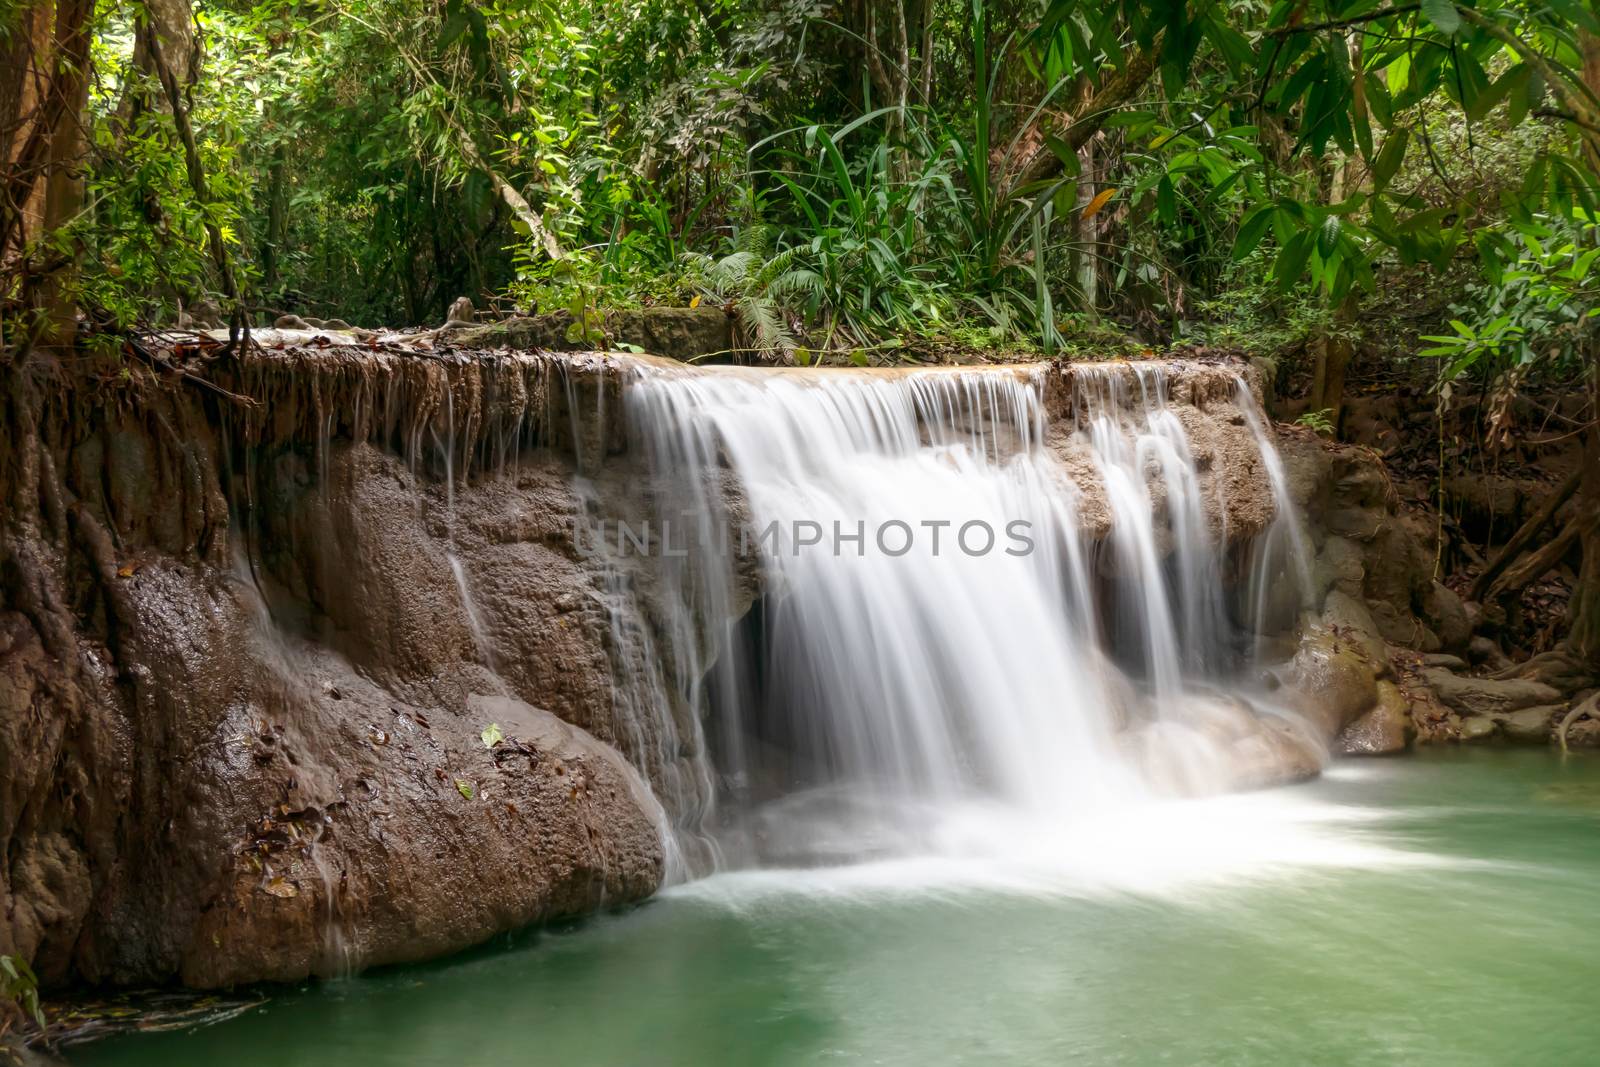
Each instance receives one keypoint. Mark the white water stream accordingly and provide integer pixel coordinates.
(942, 655)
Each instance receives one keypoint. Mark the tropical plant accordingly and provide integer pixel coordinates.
(768, 292)
(20, 985)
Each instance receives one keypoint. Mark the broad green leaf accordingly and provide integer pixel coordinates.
(1328, 237)
(1389, 158)
(1291, 264)
(1443, 14)
(1167, 201)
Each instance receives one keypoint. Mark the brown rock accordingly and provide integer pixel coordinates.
(1386, 728)
(1488, 696)
(1532, 726)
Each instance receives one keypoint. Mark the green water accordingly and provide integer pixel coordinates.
(1439, 909)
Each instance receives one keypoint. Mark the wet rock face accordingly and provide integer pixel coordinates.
(1374, 595)
(277, 703)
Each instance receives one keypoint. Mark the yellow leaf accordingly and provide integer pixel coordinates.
(125, 571)
(278, 887)
(1100, 200)
(694, 301)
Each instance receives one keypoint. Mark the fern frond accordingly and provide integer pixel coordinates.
(731, 273)
(776, 266)
(801, 282)
(755, 239)
(764, 325)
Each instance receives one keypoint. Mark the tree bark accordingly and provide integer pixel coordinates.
(191, 157)
(1537, 564)
(1525, 534)
(1333, 359)
(43, 184)
(1583, 611)
(1112, 93)
(277, 220)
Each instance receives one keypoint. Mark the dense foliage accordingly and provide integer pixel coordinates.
(995, 172)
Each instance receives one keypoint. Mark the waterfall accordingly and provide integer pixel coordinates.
(899, 599)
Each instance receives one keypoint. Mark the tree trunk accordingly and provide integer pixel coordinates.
(1087, 254)
(1333, 358)
(191, 157)
(1583, 640)
(1537, 564)
(277, 220)
(1117, 89)
(43, 178)
(1525, 534)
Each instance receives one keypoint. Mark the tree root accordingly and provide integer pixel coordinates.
(1558, 668)
(1579, 710)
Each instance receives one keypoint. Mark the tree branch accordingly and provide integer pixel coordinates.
(1112, 94)
(1339, 24)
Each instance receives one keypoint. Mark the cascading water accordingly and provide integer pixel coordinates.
(941, 644)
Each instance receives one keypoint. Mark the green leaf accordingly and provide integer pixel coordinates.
(1390, 157)
(1518, 80)
(455, 24)
(1291, 264)
(1328, 237)
(1130, 118)
(1252, 229)
(464, 787)
(1166, 201)
(1443, 14)
(1486, 99)
(1062, 151)
(492, 735)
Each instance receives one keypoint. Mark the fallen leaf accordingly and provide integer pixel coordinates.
(1100, 200)
(281, 887)
(125, 571)
(464, 787)
(694, 301)
(492, 735)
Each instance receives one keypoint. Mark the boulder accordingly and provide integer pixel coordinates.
(1532, 726)
(235, 771)
(1340, 566)
(1333, 682)
(1349, 617)
(1447, 617)
(1488, 696)
(1385, 729)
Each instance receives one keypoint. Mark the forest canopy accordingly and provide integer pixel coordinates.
(846, 175)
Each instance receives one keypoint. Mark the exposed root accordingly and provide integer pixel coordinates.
(1558, 668)
(1579, 710)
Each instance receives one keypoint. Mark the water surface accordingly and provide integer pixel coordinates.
(1433, 909)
